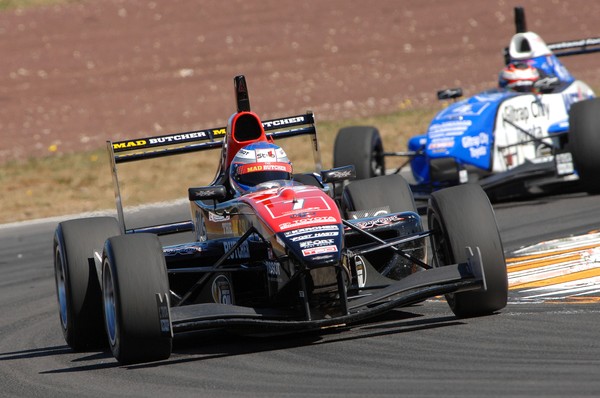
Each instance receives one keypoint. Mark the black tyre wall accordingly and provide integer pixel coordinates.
(392, 191)
(362, 147)
(75, 242)
(139, 273)
(584, 142)
(462, 216)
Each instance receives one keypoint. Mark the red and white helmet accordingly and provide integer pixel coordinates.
(258, 163)
(518, 76)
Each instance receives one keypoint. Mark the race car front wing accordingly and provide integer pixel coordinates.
(364, 305)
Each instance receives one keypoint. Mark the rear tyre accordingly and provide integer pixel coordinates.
(462, 216)
(135, 293)
(584, 142)
(362, 147)
(391, 191)
(77, 284)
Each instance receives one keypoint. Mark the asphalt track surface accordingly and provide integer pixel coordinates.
(528, 349)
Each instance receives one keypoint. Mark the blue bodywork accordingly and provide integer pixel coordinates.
(464, 130)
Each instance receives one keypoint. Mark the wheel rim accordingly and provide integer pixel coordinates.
(440, 247)
(61, 290)
(110, 311)
(377, 167)
(438, 242)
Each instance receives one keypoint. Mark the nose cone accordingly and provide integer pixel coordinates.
(315, 246)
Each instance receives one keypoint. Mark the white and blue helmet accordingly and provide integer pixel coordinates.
(258, 163)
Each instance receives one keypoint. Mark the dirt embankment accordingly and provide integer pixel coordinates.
(75, 75)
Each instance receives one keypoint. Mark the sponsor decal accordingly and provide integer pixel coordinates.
(305, 207)
(324, 257)
(166, 139)
(361, 271)
(319, 250)
(571, 98)
(217, 132)
(376, 212)
(564, 163)
(298, 204)
(468, 109)
(441, 144)
(164, 316)
(182, 250)
(266, 155)
(214, 217)
(450, 128)
(575, 43)
(316, 243)
(314, 236)
(253, 168)
(204, 193)
(303, 214)
(522, 114)
(283, 122)
(241, 252)
(129, 144)
(221, 290)
(243, 153)
(477, 145)
(227, 228)
(311, 230)
(340, 174)
(378, 222)
(540, 109)
(176, 137)
(307, 221)
(512, 114)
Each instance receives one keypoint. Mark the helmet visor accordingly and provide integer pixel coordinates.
(253, 174)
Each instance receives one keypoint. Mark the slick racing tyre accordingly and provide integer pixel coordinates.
(584, 142)
(76, 242)
(362, 147)
(462, 217)
(391, 192)
(135, 292)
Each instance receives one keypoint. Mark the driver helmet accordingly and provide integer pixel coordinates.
(258, 163)
(518, 76)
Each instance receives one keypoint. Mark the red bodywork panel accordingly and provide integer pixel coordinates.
(244, 128)
(288, 208)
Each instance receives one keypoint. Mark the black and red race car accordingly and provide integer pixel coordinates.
(292, 255)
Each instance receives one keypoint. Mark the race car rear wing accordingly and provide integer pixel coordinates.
(193, 141)
(575, 47)
(560, 49)
(200, 140)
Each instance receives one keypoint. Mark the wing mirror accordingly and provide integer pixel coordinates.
(449, 93)
(339, 174)
(214, 192)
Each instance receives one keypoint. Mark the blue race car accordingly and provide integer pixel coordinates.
(539, 130)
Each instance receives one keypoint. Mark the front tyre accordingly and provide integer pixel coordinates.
(379, 196)
(76, 242)
(135, 291)
(462, 216)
